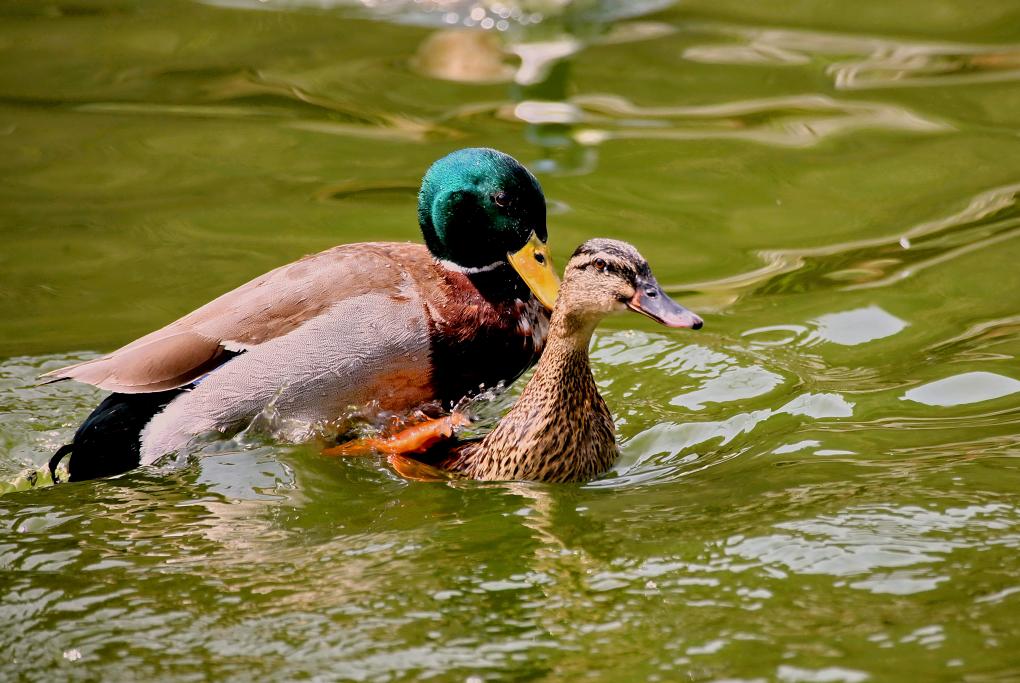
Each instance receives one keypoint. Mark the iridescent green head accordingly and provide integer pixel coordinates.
(479, 208)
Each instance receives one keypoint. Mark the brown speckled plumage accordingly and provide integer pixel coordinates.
(560, 429)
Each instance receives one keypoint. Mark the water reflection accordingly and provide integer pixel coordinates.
(530, 46)
(828, 674)
(778, 514)
(846, 328)
(527, 44)
(792, 121)
(858, 326)
(875, 545)
(929, 66)
(540, 81)
(969, 387)
(979, 340)
(661, 448)
(989, 219)
(862, 62)
(732, 384)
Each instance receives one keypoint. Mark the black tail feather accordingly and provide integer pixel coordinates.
(108, 441)
(55, 460)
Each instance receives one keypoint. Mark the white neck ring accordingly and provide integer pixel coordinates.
(450, 265)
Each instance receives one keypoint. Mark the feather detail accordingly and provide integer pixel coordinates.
(265, 308)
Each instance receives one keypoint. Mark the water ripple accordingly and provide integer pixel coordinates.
(989, 219)
(876, 544)
(788, 121)
(861, 61)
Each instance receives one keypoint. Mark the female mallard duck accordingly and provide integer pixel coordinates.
(392, 324)
(560, 429)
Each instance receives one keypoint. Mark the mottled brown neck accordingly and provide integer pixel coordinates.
(571, 330)
(564, 369)
(560, 428)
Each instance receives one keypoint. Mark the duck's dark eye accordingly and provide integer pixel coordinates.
(600, 264)
(500, 198)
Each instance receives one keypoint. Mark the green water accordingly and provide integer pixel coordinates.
(821, 485)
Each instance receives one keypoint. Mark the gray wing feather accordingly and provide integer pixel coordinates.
(264, 309)
(365, 349)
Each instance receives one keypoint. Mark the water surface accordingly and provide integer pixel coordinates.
(821, 485)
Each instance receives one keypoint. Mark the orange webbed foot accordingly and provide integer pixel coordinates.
(416, 470)
(417, 438)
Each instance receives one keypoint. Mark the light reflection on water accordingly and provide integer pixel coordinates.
(864, 62)
(859, 543)
(970, 387)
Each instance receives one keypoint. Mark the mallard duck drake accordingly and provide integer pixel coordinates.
(560, 429)
(394, 325)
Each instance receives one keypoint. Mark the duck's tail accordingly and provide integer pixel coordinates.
(108, 442)
(57, 457)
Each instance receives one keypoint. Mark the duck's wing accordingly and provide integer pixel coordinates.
(265, 308)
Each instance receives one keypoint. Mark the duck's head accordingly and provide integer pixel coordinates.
(480, 209)
(606, 275)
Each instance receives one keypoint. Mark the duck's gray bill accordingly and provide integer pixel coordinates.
(650, 300)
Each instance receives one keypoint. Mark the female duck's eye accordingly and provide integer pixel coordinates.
(500, 199)
(600, 264)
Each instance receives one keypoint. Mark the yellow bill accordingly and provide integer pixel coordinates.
(534, 266)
